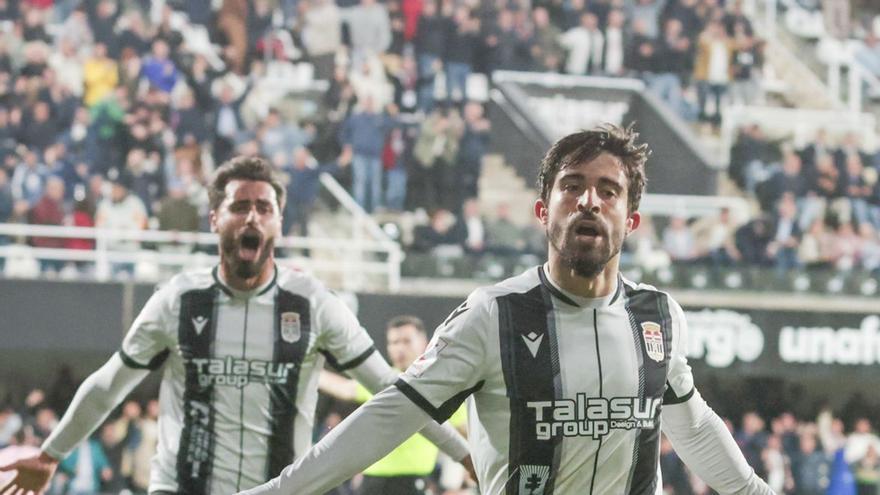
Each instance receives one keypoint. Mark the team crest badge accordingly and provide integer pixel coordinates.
(290, 327)
(653, 335)
(533, 479)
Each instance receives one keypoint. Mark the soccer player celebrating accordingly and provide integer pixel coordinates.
(569, 364)
(241, 346)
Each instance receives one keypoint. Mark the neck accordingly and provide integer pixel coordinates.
(228, 276)
(601, 285)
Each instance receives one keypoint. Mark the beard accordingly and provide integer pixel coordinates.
(244, 269)
(584, 261)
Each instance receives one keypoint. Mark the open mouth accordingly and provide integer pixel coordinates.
(249, 246)
(588, 230)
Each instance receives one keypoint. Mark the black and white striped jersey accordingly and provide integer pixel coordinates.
(566, 391)
(239, 388)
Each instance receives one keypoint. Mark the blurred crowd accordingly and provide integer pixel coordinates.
(819, 203)
(113, 114)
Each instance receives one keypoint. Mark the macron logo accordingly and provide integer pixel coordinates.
(199, 323)
(533, 342)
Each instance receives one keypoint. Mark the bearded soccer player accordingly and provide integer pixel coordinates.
(241, 346)
(569, 364)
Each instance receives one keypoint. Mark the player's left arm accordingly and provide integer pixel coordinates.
(349, 348)
(375, 374)
(698, 435)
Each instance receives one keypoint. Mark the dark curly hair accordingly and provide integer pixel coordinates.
(244, 168)
(586, 145)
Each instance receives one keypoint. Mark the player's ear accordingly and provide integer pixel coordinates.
(212, 218)
(632, 223)
(541, 211)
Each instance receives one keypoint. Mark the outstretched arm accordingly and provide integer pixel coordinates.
(375, 374)
(93, 402)
(363, 438)
(706, 446)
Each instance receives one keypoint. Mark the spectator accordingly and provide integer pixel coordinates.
(615, 44)
(675, 476)
(29, 178)
(68, 65)
(810, 468)
(87, 467)
(585, 45)
(102, 19)
(752, 440)
(715, 238)
(712, 69)
(777, 466)
(440, 236)
(430, 42)
(176, 212)
(475, 227)
(10, 423)
(122, 212)
(846, 248)
(502, 235)
(824, 190)
(39, 130)
(304, 174)
(647, 11)
(322, 35)
(789, 180)
(158, 69)
(435, 151)
(190, 125)
(641, 53)
(786, 234)
(816, 246)
(472, 148)
(369, 28)
(547, 50)
(678, 240)
(673, 62)
(857, 189)
(745, 66)
(867, 472)
(228, 124)
(396, 157)
(100, 74)
(752, 240)
(459, 54)
(278, 136)
(49, 210)
(363, 136)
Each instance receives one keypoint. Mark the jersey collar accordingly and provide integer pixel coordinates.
(259, 291)
(575, 300)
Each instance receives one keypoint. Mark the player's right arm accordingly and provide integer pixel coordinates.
(144, 349)
(432, 388)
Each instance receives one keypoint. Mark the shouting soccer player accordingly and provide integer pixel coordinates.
(573, 370)
(241, 346)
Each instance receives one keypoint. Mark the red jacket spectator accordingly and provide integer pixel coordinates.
(49, 210)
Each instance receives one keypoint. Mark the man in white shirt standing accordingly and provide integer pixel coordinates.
(568, 365)
(241, 346)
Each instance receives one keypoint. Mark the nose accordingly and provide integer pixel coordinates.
(588, 201)
(252, 216)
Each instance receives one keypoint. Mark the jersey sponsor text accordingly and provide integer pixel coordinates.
(237, 372)
(592, 416)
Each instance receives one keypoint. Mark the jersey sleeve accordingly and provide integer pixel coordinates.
(147, 343)
(452, 367)
(679, 378)
(342, 339)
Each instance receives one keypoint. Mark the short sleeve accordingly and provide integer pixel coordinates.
(342, 339)
(146, 346)
(679, 377)
(452, 366)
